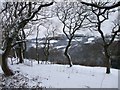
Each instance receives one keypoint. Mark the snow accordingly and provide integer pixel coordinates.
(53, 41)
(1, 70)
(33, 45)
(42, 45)
(89, 40)
(58, 47)
(116, 39)
(1, 51)
(62, 76)
(76, 39)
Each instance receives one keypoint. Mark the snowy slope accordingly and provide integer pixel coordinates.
(61, 76)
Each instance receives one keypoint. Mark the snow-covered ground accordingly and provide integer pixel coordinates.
(58, 47)
(62, 76)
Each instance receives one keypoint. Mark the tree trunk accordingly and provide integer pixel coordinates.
(46, 50)
(20, 49)
(37, 54)
(108, 67)
(68, 58)
(5, 67)
(107, 60)
(67, 55)
(20, 54)
(5, 55)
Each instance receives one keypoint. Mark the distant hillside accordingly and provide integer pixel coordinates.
(85, 50)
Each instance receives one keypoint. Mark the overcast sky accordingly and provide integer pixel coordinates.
(106, 26)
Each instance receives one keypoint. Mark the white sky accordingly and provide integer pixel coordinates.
(107, 25)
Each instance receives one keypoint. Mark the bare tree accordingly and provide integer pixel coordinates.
(72, 16)
(47, 47)
(42, 22)
(101, 10)
(15, 16)
(37, 54)
(50, 33)
(21, 46)
(45, 14)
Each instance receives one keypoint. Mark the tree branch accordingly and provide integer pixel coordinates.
(38, 9)
(102, 7)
